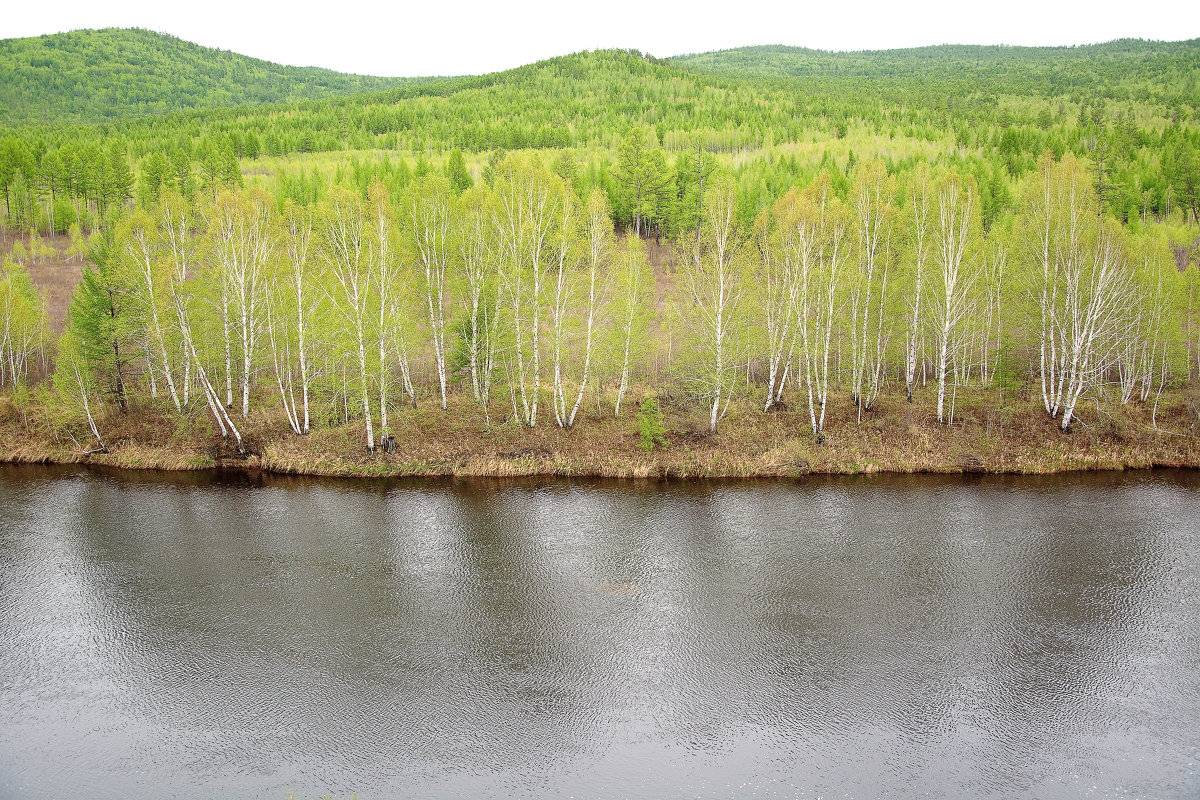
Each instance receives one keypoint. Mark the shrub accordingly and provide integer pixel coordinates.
(650, 425)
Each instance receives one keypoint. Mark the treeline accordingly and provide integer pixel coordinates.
(520, 296)
(1136, 177)
(1125, 107)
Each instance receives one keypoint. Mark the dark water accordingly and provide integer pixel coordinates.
(885, 637)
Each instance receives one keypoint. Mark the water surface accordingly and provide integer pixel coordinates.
(234, 636)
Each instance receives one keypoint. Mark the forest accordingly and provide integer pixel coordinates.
(116, 73)
(696, 246)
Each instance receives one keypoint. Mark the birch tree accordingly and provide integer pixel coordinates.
(23, 325)
(1090, 322)
(74, 380)
(955, 230)
(143, 245)
(427, 213)
(241, 226)
(529, 205)
(176, 223)
(386, 274)
(1081, 283)
(813, 240)
(919, 204)
(992, 284)
(474, 237)
(597, 242)
(633, 284)
(566, 254)
(777, 287)
(1157, 333)
(306, 299)
(714, 276)
(873, 217)
(292, 305)
(345, 243)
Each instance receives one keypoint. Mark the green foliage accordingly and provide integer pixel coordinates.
(72, 373)
(99, 325)
(652, 431)
(156, 170)
(99, 74)
(646, 131)
(23, 326)
(1125, 70)
(456, 173)
(658, 144)
(647, 185)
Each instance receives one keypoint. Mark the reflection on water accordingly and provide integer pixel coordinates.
(215, 635)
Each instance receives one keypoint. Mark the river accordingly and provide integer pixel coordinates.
(232, 635)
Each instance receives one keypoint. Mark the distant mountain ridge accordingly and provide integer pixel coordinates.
(1147, 68)
(92, 75)
(778, 59)
(121, 74)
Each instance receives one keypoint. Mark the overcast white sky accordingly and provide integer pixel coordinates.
(457, 37)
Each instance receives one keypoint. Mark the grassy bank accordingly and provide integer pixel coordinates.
(991, 433)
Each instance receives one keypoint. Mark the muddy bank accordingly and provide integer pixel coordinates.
(989, 436)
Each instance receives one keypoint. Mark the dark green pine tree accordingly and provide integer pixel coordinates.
(98, 321)
(120, 186)
(456, 173)
(52, 181)
(156, 172)
(1183, 172)
(231, 173)
(181, 172)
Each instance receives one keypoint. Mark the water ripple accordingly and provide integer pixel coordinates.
(903, 637)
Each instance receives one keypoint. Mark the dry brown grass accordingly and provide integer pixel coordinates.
(988, 436)
(54, 278)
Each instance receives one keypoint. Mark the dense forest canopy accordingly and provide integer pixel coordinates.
(117, 73)
(773, 113)
(1127, 69)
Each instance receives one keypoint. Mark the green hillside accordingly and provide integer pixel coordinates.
(775, 115)
(573, 100)
(1126, 69)
(114, 73)
(724, 101)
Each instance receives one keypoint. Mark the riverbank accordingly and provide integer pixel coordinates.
(991, 433)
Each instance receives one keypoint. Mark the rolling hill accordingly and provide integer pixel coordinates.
(776, 113)
(1125, 69)
(119, 73)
